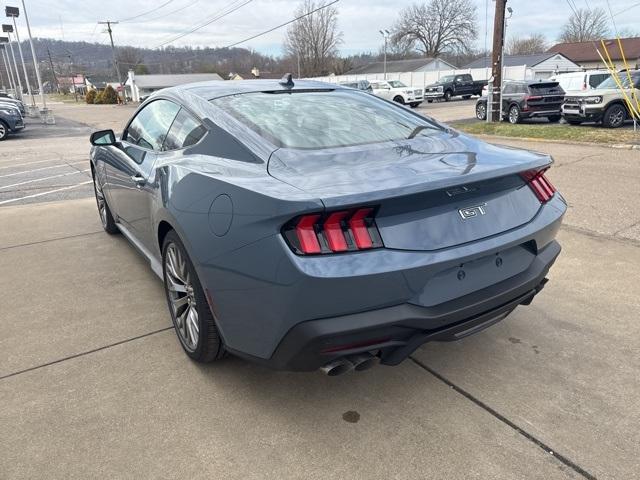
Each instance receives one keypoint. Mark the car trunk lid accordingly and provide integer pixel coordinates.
(434, 191)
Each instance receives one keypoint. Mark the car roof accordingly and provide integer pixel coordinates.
(221, 88)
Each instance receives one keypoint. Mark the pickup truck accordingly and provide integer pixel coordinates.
(461, 85)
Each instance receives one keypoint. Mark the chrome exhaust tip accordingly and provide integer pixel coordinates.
(337, 367)
(363, 361)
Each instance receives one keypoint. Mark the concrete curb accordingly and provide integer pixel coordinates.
(619, 146)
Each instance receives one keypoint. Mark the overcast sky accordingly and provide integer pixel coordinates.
(359, 20)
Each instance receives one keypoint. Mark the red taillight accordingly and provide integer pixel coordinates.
(334, 232)
(306, 234)
(534, 98)
(539, 184)
(359, 229)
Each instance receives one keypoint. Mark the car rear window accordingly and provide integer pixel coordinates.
(543, 88)
(324, 119)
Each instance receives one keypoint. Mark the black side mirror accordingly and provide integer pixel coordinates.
(103, 137)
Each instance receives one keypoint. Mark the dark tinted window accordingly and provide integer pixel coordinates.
(324, 119)
(509, 88)
(150, 126)
(597, 79)
(185, 131)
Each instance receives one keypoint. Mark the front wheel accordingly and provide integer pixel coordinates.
(190, 312)
(447, 95)
(481, 111)
(614, 117)
(4, 130)
(399, 100)
(106, 218)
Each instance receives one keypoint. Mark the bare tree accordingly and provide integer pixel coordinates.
(437, 27)
(536, 43)
(585, 25)
(314, 39)
(131, 58)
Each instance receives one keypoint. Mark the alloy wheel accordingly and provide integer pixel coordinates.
(102, 204)
(481, 112)
(181, 297)
(3, 131)
(514, 115)
(617, 118)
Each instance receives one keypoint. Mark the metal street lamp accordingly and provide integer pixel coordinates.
(13, 13)
(8, 29)
(35, 60)
(385, 34)
(7, 63)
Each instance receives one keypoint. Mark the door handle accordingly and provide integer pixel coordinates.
(139, 180)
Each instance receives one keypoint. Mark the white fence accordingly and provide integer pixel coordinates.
(421, 79)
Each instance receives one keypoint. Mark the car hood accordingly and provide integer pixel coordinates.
(357, 174)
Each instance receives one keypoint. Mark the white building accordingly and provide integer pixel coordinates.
(397, 66)
(141, 86)
(542, 65)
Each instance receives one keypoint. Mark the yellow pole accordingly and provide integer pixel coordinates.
(616, 78)
(626, 66)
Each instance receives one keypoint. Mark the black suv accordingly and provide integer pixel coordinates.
(527, 99)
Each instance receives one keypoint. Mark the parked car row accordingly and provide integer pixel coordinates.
(393, 90)
(11, 115)
(578, 97)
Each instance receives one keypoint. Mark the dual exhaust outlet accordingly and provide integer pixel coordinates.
(357, 362)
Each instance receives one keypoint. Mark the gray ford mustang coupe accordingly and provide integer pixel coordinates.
(311, 226)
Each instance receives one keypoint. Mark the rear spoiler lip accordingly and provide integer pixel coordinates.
(371, 198)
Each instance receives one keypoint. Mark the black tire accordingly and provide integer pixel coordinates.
(4, 130)
(554, 118)
(429, 101)
(466, 97)
(481, 111)
(447, 96)
(209, 346)
(513, 115)
(104, 212)
(614, 116)
(399, 100)
(573, 122)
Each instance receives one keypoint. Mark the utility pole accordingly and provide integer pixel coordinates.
(13, 12)
(35, 59)
(108, 23)
(496, 72)
(53, 71)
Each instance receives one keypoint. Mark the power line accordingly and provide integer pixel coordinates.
(232, 7)
(147, 13)
(281, 25)
(626, 9)
(172, 12)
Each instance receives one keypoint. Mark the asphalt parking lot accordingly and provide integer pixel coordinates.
(94, 384)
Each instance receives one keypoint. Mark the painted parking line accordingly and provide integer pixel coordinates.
(4, 202)
(45, 178)
(40, 169)
(25, 164)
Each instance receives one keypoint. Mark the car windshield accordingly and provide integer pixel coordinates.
(448, 79)
(323, 119)
(396, 84)
(624, 79)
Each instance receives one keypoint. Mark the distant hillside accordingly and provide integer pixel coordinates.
(95, 59)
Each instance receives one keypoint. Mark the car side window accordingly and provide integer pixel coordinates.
(150, 126)
(595, 80)
(509, 88)
(185, 131)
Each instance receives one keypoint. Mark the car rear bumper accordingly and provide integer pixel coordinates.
(393, 333)
(540, 113)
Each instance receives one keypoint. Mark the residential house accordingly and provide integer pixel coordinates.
(586, 55)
